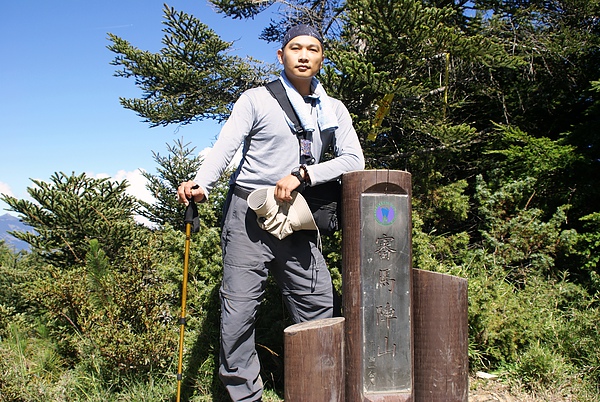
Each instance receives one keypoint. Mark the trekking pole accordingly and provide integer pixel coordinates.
(191, 224)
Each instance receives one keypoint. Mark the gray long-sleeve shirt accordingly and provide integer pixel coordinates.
(271, 149)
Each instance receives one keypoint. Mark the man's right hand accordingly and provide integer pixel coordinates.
(189, 190)
(285, 187)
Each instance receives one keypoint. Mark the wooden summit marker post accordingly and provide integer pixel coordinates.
(377, 285)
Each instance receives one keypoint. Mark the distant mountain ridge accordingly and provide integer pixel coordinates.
(9, 223)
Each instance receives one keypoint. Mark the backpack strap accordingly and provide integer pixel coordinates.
(278, 91)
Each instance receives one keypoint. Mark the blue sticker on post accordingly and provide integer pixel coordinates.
(385, 213)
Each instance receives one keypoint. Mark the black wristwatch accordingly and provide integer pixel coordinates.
(296, 173)
(299, 176)
(305, 175)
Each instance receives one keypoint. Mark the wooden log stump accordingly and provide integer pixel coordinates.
(314, 361)
(440, 304)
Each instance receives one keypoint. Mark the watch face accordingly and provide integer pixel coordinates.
(296, 173)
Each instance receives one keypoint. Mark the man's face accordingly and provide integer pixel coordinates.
(302, 57)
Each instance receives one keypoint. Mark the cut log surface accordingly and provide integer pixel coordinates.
(314, 361)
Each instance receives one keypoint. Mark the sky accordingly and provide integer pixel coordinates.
(59, 98)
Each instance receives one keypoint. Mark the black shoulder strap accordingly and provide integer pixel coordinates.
(278, 91)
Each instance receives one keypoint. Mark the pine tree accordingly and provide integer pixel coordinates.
(179, 166)
(69, 211)
(193, 77)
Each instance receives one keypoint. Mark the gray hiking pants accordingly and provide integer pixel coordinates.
(249, 253)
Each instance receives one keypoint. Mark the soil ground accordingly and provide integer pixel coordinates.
(493, 390)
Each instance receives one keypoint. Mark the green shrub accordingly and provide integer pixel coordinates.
(539, 367)
(29, 364)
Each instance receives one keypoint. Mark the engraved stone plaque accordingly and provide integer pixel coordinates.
(385, 287)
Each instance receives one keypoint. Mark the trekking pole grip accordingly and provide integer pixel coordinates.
(191, 214)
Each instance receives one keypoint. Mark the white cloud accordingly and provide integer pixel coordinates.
(5, 189)
(136, 187)
(137, 184)
(205, 152)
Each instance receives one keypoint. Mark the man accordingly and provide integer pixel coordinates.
(271, 152)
